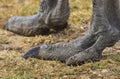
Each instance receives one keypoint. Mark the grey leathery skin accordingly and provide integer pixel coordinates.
(28, 26)
(104, 31)
(33, 53)
(52, 14)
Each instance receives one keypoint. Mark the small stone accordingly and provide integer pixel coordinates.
(104, 71)
(65, 77)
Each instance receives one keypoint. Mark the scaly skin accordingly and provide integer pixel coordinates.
(61, 52)
(28, 26)
(53, 14)
(104, 31)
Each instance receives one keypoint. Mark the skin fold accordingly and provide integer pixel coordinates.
(104, 31)
(52, 14)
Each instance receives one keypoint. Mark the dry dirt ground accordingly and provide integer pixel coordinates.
(13, 46)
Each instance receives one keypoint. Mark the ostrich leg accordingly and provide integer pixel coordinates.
(106, 26)
(52, 14)
(104, 31)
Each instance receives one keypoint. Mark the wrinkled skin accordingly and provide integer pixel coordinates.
(104, 31)
(53, 14)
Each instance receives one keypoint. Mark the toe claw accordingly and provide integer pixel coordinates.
(32, 53)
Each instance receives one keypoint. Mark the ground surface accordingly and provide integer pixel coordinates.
(12, 46)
